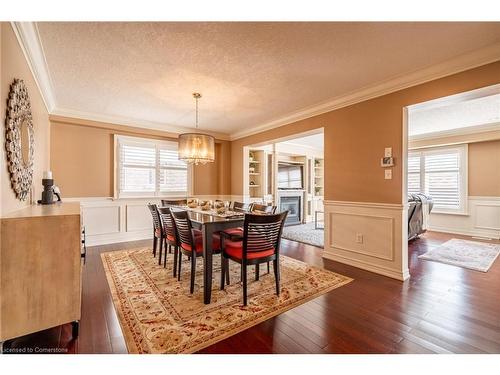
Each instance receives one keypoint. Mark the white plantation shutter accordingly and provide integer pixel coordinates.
(138, 169)
(414, 173)
(442, 174)
(442, 179)
(149, 168)
(173, 172)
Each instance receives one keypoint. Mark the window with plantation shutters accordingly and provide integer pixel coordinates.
(442, 174)
(149, 168)
(414, 174)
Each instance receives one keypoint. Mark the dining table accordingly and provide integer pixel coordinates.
(209, 222)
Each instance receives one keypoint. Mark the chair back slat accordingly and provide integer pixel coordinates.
(174, 202)
(241, 207)
(262, 232)
(183, 227)
(153, 208)
(263, 208)
(167, 222)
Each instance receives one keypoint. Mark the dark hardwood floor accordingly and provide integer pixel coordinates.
(441, 309)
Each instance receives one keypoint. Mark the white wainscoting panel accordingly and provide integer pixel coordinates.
(102, 220)
(482, 220)
(368, 236)
(138, 217)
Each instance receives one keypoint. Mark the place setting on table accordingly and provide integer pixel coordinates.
(216, 208)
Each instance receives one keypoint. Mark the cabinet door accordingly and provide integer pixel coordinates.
(40, 273)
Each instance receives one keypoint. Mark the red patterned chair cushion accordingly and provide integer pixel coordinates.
(235, 250)
(198, 242)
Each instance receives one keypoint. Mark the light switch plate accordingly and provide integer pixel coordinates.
(388, 174)
(388, 152)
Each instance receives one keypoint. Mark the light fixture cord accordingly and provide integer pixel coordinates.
(196, 113)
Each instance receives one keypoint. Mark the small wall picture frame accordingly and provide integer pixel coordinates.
(386, 162)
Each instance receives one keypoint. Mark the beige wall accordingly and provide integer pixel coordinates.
(13, 65)
(355, 138)
(82, 158)
(484, 169)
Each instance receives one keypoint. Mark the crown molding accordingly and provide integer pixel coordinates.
(29, 40)
(61, 115)
(459, 64)
(484, 128)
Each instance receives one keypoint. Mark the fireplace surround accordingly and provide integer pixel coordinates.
(292, 201)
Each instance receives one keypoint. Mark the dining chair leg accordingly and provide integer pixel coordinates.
(244, 279)
(176, 251)
(268, 268)
(222, 272)
(180, 263)
(257, 272)
(165, 259)
(161, 250)
(227, 270)
(276, 267)
(154, 245)
(170, 249)
(193, 273)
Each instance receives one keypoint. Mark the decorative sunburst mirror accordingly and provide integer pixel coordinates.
(19, 139)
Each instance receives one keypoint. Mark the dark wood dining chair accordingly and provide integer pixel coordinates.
(173, 202)
(236, 234)
(191, 242)
(241, 207)
(261, 244)
(157, 230)
(170, 235)
(262, 208)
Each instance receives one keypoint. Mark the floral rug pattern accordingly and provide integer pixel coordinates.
(159, 315)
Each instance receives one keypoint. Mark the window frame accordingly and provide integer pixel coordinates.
(146, 142)
(463, 151)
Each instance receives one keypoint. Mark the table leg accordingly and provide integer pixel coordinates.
(207, 263)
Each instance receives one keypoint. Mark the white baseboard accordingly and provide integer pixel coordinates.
(471, 233)
(398, 275)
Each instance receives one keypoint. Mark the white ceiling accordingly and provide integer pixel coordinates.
(249, 73)
(311, 141)
(471, 113)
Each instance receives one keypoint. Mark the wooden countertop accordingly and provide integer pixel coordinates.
(56, 209)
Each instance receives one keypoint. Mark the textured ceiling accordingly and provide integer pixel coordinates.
(248, 73)
(476, 112)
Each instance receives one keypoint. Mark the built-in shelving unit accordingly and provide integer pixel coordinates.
(319, 178)
(256, 165)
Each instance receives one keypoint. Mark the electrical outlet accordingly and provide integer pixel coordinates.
(388, 174)
(359, 238)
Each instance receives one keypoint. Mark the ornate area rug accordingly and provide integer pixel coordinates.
(305, 233)
(159, 315)
(474, 255)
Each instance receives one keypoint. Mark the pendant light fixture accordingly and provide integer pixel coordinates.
(196, 148)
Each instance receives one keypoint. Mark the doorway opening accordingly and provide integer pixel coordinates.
(289, 173)
(452, 174)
